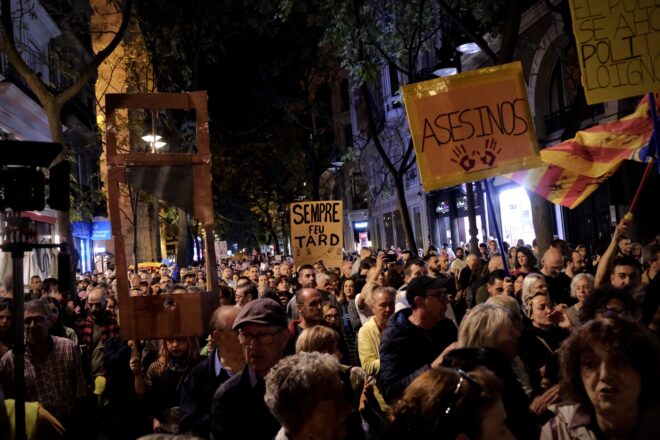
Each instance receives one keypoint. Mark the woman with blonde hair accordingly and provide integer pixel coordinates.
(488, 338)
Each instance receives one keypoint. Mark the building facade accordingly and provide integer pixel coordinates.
(440, 217)
(53, 51)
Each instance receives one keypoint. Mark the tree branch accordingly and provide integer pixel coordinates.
(91, 68)
(14, 57)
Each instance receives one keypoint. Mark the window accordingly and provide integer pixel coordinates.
(394, 79)
(345, 102)
(411, 177)
(348, 135)
(417, 223)
(389, 232)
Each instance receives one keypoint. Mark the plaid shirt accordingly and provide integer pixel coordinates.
(56, 382)
(85, 329)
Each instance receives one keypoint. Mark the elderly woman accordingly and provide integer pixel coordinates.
(610, 376)
(545, 330)
(488, 338)
(307, 396)
(582, 285)
(447, 404)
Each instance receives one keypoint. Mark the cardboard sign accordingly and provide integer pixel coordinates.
(221, 249)
(471, 126)
(618, 47)
(317, 232)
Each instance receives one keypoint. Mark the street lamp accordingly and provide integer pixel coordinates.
(154, 141)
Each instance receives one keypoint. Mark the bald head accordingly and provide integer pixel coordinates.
(472, 261)
(223, 317)
(495, 263)
(99, 294)
(553, 262)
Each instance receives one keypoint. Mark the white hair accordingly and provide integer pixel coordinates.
(482, 324)
(579, 277)
(295, 385)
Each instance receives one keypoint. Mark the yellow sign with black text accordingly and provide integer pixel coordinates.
(618, 47)
(317, 232)
(471, 126)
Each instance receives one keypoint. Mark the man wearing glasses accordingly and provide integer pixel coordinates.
(416, 338)
(53, 375)
(239, 402)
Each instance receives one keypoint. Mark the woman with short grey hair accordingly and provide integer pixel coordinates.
(582, 285)
(306, 395)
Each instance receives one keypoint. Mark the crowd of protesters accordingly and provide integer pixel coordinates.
(442, 344)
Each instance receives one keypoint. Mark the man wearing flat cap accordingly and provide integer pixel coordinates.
(239, 410)
(416, 338)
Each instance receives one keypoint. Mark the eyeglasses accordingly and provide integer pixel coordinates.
(261, 338)
(331, 316)
(546, 307)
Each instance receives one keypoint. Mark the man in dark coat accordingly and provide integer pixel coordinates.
(239, 410)
(416, 339)
(200, 385)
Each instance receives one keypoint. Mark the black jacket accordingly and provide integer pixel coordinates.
(519, 420)
(239, 410)
(197, 395)
(406, 351)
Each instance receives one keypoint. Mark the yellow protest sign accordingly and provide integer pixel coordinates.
(618, 47)
(471, 126)
(316, 232)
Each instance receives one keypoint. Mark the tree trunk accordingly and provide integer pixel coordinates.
(473, 231)
(183, 238)
(398, 178)
(154, 209)
(402, 204)
(54, 115)
(542, 221)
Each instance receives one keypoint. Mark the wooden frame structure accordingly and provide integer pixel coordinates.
(162, 316)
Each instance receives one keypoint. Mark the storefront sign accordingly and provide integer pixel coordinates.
(81, 229)
(618, 47)
(471, 126)
(101, 230)
(316, 232)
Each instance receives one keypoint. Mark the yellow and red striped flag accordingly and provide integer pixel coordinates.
(574, 168)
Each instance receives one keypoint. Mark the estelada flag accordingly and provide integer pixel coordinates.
(573, 169)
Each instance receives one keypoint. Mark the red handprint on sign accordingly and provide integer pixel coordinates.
(490, 152)
(462, 158)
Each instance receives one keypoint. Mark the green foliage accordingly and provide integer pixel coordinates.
(369, 34)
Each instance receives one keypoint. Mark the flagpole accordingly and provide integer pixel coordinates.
(650, 153)
(491, 209)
